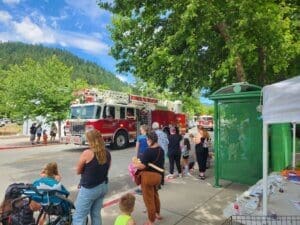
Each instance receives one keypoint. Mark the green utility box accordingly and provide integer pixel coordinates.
(238, 133)
(280, 146)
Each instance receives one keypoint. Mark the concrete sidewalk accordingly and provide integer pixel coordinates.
(184, 201)
(19, 141)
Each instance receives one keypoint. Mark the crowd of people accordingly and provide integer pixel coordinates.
(37, 133)
(153, 147)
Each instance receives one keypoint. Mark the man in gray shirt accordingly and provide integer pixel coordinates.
(162, 137)
(162, 141)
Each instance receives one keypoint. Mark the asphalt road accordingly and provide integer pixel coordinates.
(24, 165)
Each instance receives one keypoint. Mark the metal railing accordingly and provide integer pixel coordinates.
(262, 220)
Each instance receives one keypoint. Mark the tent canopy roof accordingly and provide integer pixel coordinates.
(281, 102)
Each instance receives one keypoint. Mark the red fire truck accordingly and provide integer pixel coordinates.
(118, 116)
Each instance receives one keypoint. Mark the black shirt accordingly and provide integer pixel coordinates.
(174, 144)
(94, 174)
(155, 156)
(32, 130)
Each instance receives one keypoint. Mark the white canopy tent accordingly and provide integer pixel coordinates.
(281, 104)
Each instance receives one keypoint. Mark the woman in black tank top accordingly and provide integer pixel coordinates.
(93, 166)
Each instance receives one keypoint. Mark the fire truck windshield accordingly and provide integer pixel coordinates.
(85, 112)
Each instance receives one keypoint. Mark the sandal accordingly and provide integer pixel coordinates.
(158, 217)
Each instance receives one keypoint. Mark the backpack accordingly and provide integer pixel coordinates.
(18, 216)
(14, 190)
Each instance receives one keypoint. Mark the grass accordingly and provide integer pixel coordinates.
(10, 129)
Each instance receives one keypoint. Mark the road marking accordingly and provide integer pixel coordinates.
(116, 198)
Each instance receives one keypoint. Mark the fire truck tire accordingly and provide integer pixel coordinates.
(121, 140)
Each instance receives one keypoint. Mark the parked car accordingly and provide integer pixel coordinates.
(2, 123)
(207, 122)
(7, 120)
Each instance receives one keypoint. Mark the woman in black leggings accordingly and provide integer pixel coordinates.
(202, 150)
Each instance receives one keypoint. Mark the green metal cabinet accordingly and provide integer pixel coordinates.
(280, 146)
(238, 133)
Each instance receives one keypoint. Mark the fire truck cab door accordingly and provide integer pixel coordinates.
(109, 112)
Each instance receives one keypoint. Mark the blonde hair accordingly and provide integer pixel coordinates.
(97, 145)
(145, 128)
(127, 202)
(205, 133)
(51, 169)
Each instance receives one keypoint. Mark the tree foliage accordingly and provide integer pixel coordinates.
(190, 103)
(187, 45)
(13, 53)
(39, 89)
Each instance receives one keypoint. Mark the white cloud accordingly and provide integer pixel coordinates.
(37, 17)
(54, 24)
(34, 30)
(11, 2)
(56, 19)
(32, 33)
(78, 25)
(28, 31)
(87, 7)
(83, 42)
(97, 35)
(5, 17)
(122, 78)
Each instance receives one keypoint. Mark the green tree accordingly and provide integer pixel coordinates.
(39, 89)
(187, 45)
(3, 109)
(190, 103)
(12, 53)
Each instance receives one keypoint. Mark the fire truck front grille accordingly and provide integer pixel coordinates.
(77, 128)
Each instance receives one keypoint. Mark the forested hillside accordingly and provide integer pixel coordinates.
(14, 53)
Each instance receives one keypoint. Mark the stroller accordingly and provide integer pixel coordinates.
(54, 206)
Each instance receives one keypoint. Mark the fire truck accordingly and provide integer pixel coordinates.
(118, 116)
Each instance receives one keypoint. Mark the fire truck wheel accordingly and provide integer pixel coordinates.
(121, 140)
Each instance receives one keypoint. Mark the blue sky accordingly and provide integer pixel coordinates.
(78, 26)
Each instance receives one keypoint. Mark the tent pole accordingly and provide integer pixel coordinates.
(265, 168)
(294, 145)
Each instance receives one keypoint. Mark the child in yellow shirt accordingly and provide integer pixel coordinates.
(126, 206)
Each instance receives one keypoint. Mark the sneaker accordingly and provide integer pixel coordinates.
(188, 174)
(180, 175)
(170, 176)
(202, 177)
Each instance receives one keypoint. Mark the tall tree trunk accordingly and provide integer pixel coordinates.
(59, 130)
(239, 68)
(262, 62)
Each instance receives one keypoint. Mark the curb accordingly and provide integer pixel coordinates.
(25, 146)
(13, 136)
